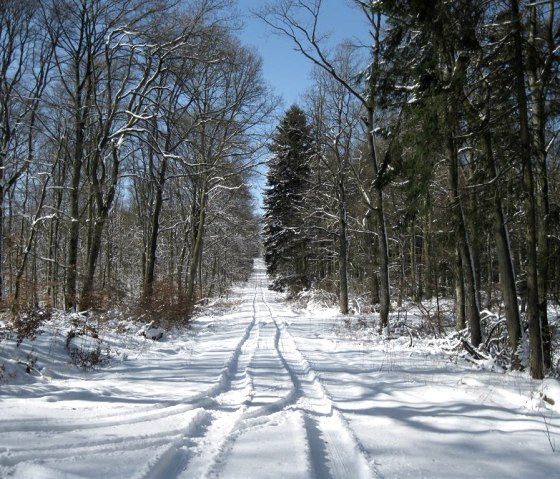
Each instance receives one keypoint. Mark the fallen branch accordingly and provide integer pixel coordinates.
(472, 351)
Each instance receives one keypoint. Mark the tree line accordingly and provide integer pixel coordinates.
(424, 163)
(128, 135)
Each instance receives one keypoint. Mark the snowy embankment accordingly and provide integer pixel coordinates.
(266, 392)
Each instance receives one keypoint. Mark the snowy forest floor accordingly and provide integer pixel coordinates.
(263, 391)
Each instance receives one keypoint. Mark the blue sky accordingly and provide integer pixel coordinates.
(286, 70)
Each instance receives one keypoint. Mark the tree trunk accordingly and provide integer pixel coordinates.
(196, 253)
(460, 317)
(74, 234)
(540, 75)
(99, 221)
(86, 300)
(382, 245)
(503, 250)
(536, 363)
(377, 193)
(343, 248)
(182, 257)
(543, 231)
(415, 286)
(427, 271)
(153, 242)
(471, 305)
(1, 240)
(81, 110)
(384, 285)
(53, 280)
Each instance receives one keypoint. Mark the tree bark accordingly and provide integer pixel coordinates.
(196, 254)
(536, 360)
(99, 221)
(539, 77)
(343, 248)
(503, 251)
(82, 96)
(154, 233)
(426, 279)
(384, 282)
(471, 304)
(74, 233)
(460, 316)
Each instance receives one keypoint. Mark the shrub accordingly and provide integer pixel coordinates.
(84, 345)
(27, 322)
(164, 307)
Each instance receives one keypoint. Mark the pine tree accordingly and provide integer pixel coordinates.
(286, 246)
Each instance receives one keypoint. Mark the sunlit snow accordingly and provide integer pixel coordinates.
(264, 391)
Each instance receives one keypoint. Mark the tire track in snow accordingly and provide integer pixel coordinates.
(333, 450)
(330, 437)
(169, 435)
(264, 382)
(198, 455)
(130, 441)
(170, 430)
(234, 414)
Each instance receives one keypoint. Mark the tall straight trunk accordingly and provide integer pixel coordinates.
(543, 235)
(182, 257)
(471, 304)
(426, 286)
(83, 94)
(196, 254)
(153, 241)
(503, 250)
(74, 233)
(99, 221)
(52, 268)
(377, 197)
(6, 130)
(1, 241)
(53, 279)
(343, 248)
(536, 359)
(374, 260)
(376, 193)
(108, 268)
(460, 317)
(543, 230)
(474, 241)
(384, 284)
(402, 273)
(539, 77)
(415, 286)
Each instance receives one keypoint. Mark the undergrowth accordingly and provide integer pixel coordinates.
(426, 322)
(85, 348)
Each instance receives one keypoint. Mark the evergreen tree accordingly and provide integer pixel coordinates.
(286, 246)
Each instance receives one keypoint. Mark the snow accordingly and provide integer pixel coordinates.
(264, 391)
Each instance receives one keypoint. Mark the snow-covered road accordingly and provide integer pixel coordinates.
(269, 412)
(262, 392)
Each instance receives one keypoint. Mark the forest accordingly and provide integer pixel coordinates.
(425, 165)
(420, 167)
(128, 136)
